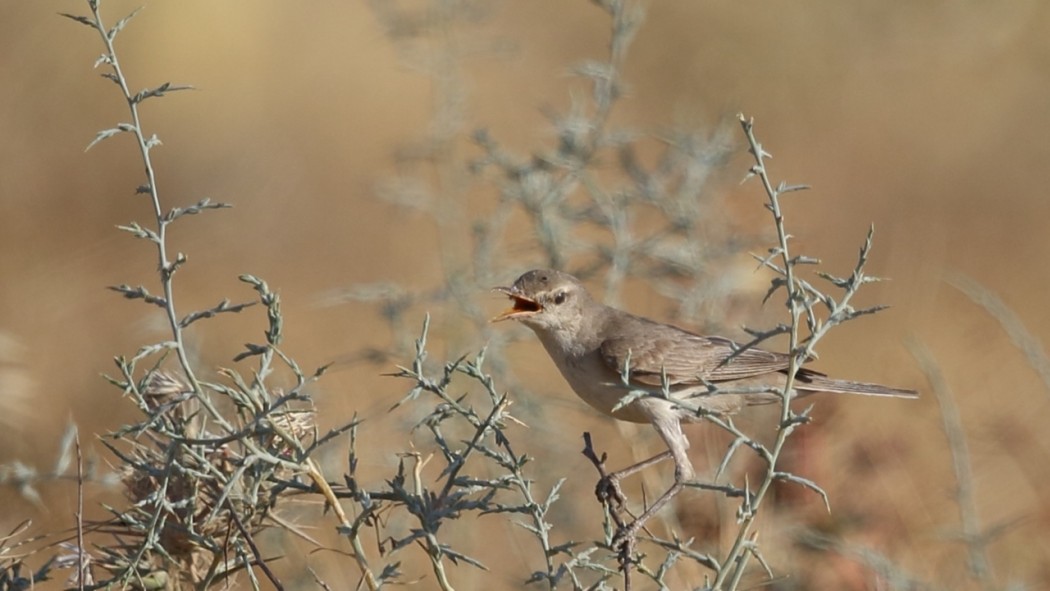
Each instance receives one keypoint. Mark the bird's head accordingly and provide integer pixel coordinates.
(546, 300)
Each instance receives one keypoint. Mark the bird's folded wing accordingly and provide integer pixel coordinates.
(688, 358)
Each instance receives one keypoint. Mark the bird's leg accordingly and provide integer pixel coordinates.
(608, 487)
(670, 430)
(624, 537)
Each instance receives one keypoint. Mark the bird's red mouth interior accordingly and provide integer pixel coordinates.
(522, 306)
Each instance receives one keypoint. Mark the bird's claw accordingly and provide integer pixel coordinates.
(610, 494)
(623, 541)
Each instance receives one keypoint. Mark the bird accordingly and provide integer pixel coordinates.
(606, 354)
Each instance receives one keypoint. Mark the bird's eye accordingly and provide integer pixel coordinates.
(559, 298)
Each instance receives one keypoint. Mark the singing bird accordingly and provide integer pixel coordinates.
(595, 346)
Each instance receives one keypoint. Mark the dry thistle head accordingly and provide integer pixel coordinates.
(162, 388)
(196, 487)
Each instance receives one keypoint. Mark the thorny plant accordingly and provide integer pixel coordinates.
(809, 309)
(207, 465)
(210, 463)
(480, 471)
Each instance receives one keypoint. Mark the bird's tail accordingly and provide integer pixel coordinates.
(812, 381)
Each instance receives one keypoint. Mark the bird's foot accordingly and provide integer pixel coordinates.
(624, 539)
(610, 494)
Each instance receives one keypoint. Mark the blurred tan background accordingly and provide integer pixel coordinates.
(929, 120)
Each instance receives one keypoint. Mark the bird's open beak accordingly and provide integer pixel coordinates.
(522, 307)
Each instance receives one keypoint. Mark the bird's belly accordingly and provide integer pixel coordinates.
(606, 392)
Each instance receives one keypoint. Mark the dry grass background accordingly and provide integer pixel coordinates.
(928, 119)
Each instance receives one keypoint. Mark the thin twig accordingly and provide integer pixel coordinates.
(965, 498)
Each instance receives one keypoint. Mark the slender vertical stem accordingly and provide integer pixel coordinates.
(978, 563)
(737, 558)
(166, 266)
